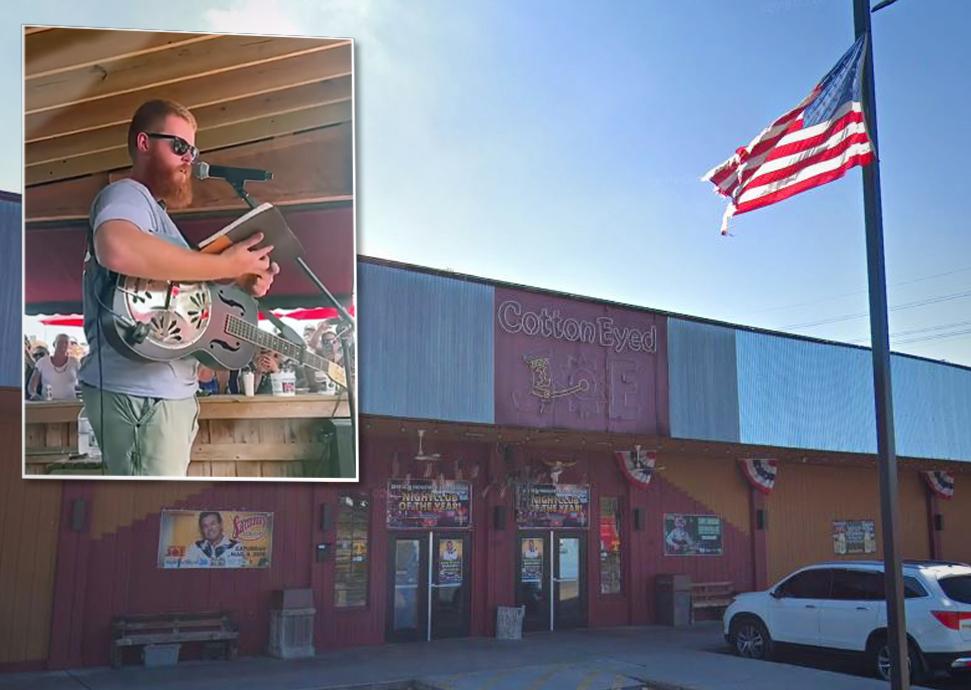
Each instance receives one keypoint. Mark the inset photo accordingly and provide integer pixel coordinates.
(189, 256)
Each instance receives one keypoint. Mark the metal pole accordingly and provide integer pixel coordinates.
(880, 340)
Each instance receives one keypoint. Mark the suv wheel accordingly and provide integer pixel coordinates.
(750, 638)
(879, 654)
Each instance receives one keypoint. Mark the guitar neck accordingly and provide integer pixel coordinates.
(253, 334)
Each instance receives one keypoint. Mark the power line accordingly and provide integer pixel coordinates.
(918, 331)
(899, 307)
(860, 292)
(939, 336)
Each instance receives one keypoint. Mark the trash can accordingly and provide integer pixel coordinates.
(509, 622)
(292, 624)
(673, 600)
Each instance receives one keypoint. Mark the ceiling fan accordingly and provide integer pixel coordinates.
(422, 456)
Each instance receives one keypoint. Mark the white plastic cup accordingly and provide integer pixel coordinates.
(249, 383)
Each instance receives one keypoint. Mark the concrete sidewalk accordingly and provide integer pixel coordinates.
(653, 657)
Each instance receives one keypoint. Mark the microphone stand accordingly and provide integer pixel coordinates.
(347, 321)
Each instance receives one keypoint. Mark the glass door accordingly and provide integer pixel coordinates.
(450, 586)
(407, 619)
(533, 579)
(429, 586)
(550, 581)
(569, 587)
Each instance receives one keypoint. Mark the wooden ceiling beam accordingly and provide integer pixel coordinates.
(207, 140)
(327, 63)
(239, 110)
(156, 70)
(71, 50)
(309, 167)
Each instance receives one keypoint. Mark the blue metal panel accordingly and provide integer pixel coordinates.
(800, 394)
(703, 388)
(11, 318)
(426, 345)
(932, 409)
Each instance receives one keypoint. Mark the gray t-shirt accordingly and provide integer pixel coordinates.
(175, 380)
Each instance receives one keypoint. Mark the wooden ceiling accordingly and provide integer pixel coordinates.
(251, 95)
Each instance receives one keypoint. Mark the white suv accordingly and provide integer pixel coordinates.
(841, 606)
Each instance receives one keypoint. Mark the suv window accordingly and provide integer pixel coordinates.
(957, 587)
(857, 585)
(913, 589)
(809, 584)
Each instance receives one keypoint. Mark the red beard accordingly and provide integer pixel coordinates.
(171, 185)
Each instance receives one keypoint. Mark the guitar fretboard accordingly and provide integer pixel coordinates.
(252, 334)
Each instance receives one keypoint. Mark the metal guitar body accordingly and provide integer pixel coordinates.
(181, 319)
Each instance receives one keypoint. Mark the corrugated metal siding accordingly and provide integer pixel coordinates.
(932, 409)
(799, 394)
(426, 345)
(915, 534)
(718, 483)
(702, 381)
(956, 514)
(802, 507)
(808, 498)
(29, 516)
(115, 573)
(11, 349)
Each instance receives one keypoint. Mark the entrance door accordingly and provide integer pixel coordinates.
(450, 588)
(429, 595)
(569, 593)
(533, 579)
(550, 580)
(408, 614)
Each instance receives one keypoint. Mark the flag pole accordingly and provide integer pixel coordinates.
(880, 343)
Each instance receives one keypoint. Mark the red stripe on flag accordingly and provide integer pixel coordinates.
(744, 156)
(803, 185)
(761, 146)
(795, 147)
(824, 155)
(834, 127)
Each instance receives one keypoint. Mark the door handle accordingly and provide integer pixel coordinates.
(810, 606)
(862, 608)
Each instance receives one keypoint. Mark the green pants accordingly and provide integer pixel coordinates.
(142, 436)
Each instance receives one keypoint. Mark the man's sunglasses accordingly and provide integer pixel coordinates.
(180, 146)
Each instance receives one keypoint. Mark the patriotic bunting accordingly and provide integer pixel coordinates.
(940, 482)
(637, 465)
(760, 472)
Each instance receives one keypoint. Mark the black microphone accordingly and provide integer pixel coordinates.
(203, 171)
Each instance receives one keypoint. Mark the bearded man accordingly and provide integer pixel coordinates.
(145, 414)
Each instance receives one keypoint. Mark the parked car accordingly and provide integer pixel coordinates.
(841, 606)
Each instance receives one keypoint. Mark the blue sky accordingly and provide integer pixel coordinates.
(560, 144)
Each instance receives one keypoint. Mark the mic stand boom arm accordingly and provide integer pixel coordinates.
(347, 321)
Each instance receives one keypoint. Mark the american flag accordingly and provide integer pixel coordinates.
(814, 143)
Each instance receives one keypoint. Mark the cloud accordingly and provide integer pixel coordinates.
(253, 16)
(336, 18)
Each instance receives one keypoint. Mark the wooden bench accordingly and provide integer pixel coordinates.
(171, 628)
(711, 596)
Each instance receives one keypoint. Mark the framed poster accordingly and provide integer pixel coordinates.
(531, 564)
(215, 539)
(692, 535)
(450, 562)
(854, 536)
(553, 506)
(426, 504)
